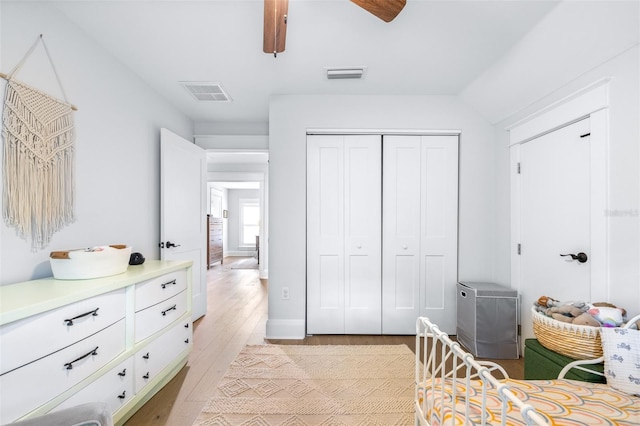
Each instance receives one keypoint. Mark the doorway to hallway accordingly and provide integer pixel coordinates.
(238, 191)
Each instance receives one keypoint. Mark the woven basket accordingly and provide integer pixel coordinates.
(574, 341)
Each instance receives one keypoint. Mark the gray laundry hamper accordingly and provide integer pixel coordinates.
(487, 320)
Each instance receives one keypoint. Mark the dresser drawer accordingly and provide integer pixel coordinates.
(157, 355)
(32, 338)
(114, 388)
(151, 292)
(37, 383)
(157, 317)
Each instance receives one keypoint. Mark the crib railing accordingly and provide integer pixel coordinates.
(444, 376)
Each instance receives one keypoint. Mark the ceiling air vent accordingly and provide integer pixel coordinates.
(207, 92)
(345, 72)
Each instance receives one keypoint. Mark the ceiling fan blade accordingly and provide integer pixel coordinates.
(386, 10)
(275, 25)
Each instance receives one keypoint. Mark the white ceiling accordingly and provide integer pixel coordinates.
(432, 47)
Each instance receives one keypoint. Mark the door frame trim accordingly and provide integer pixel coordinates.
(592, 102)
(568, 110)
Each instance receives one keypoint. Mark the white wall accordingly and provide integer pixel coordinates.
(574, 38)
(291, 116)
(577, 44)
(117, 138)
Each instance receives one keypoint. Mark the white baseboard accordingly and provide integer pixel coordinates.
(285, 329)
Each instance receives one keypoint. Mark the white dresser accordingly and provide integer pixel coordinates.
(115, 339)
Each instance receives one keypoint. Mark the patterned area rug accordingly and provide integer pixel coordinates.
(250, 263)
(296, 385)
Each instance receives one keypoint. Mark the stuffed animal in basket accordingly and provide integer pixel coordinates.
(600, 314)
(607, 314)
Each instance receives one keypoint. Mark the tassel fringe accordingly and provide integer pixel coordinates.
(38, 164)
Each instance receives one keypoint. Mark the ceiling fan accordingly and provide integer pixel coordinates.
(386, 10)
(275, 19)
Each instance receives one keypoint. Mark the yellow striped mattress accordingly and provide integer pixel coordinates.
(561, 402)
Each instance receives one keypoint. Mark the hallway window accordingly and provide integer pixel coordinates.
(250, 221)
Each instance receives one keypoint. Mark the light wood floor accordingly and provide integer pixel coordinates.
(236, 316)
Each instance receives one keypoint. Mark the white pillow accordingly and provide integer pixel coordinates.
(621, 348)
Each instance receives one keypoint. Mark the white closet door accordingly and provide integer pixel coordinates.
(401, 233)
(420, 231)
(363, 246)
(325, 235)
(439, 234)
(343, 234)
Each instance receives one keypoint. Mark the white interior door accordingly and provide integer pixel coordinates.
(439, 230)
(343, 234)
(555, 218)
(183, 234)
(363, 251)
(401, 233)
(325, 235)
(420, 231)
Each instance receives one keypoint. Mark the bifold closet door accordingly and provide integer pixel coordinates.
(344, 234)
(420, 231)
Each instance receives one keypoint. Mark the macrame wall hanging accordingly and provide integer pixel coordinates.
(38, 158)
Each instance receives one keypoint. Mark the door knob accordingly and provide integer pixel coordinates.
(170, 244)
(580, 257)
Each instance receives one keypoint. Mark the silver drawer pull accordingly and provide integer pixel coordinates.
(172, 282)
(123, 395)
(69, 365)
(92, 313)
(173, 308)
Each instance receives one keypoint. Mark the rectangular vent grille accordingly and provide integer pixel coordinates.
(207, 92)
(342, 73)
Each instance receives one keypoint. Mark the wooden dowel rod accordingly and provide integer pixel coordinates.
(6, 77)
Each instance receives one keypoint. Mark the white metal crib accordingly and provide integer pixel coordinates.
(444, 376)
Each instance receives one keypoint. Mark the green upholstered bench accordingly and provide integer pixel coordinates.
(541, 363)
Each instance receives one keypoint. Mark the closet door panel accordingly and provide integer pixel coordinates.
(401, 233)
(434, 283)
(330, 286)
(325, 235)
(439, 236)
(362, 234)
(435, 184)
(404, 283)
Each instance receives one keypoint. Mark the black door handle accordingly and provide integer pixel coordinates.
(580, 257)
(170, 244)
